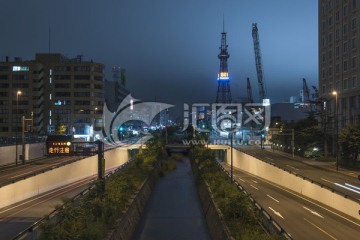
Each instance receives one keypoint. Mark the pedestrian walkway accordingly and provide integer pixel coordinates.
(174, 209)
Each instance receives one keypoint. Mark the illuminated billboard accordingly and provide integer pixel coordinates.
(58, 148)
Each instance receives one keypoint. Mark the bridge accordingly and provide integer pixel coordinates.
(222, 152)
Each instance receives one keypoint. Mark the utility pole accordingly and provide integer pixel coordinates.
(23, 130)
(16, 126)
(337, 129)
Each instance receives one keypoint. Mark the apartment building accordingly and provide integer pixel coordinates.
(21, 94)
(58, 90)
(339, 59)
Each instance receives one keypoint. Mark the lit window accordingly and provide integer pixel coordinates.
(20, 68)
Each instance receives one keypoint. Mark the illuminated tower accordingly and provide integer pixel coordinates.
(223, 92)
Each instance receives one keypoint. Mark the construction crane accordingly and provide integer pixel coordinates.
(305, 98)
(259, 70)
(315, 95)
(249, 92)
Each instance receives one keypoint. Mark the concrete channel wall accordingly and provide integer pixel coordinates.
(213, 217)
(60, 176)
(128, 221)
(295, 183)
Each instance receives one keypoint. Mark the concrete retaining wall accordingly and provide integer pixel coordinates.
(127, 223)
(216, 225)
(32, 151)
(57, 177)
(295, 183)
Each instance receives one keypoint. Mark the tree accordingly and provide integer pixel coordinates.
(349, 140)
(59, 127)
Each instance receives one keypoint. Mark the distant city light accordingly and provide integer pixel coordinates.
(20, 68)
(266, 102)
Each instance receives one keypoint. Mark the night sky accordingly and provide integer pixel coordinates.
(169, 48)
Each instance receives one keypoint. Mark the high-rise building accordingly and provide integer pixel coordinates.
(115, 88)
(339, 59)
(21, 94)
(59, 91)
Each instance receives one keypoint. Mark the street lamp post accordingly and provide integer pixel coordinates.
(337, 129)
(16, 126)
(93, 129)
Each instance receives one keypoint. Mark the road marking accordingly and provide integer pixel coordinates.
(22, 174)
(270, 158)
(276, 213)
(254, 181)
(313, 212)
(307, 200)
(292, 167)
(322, 230)
(272, 198)
(241, 179)
(80, 182)
(326, 180)
(254, 187)
(348, 188)
(352, 186)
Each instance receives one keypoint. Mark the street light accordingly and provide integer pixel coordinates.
(16, 126)
(337, 129)
(94, 125)
(230, 131)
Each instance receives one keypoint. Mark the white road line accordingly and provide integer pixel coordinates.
(322, 230)
(292, 167)
(348, 188)
(276, 213)
(343, 216)
(352, 186)
(254, 187)
(326, 180)
(272, 198)
(80, 182)
(241, 179)
(254, 181)
(313, 212)
(270, 158)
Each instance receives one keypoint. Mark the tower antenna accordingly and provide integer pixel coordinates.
(223, 92)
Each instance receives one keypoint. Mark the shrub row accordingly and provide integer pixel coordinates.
(96, 213)
(238, 211)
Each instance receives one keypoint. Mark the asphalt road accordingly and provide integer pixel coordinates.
(16, 218)
(301, 217)
(344, 181)
(14, 173)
